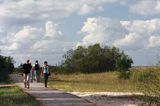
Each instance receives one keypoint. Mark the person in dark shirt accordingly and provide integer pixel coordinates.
(27, 68)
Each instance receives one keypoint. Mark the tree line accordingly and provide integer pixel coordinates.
(6, 66)
(94, 58)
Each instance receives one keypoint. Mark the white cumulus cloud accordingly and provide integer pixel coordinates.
(128, 35)
(31, 42)
(146, 7)
(101, 30)
(21, 12)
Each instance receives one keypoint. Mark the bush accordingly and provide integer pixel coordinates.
(6, 67)
(124, 75)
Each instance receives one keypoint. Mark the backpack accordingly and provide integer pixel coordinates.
(36, 67)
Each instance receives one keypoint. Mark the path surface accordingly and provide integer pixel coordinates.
(111, 98)
(48, 96)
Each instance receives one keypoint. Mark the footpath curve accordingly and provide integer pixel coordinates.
(48, 96)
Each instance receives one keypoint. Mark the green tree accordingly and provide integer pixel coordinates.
(93, 59)
(6, 66)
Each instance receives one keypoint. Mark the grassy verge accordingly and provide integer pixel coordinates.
(14, 96)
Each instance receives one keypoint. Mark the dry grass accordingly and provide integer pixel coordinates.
(107, 82)
(100, 82)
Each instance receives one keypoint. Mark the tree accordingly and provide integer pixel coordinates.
(94, 58)
(6, 66)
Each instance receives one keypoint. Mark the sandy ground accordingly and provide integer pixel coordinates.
(111, 99)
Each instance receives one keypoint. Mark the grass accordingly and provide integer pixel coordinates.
(98, 82)
(108, 81)
(14, 96)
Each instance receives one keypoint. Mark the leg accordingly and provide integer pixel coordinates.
(45, 79)
(35, 74)
(31, 75)
(25, 80)
(28, 80)
(38, 76)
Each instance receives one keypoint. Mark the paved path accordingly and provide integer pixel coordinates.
(48, 96)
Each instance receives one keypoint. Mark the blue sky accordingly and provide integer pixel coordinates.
(46, 29)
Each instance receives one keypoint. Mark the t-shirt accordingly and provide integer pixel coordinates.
(27, 68)
(45, 70)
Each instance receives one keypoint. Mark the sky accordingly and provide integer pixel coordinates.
(45, 30)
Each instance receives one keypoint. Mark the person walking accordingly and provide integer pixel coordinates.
(46, 73)
(27, 68)
(37, 71)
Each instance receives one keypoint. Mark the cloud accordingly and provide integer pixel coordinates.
(154, 41)
(86, 9)
(146, 7)
(22, 12)
(140, 33)
(135, 34)
(31, 41)
(101, 30)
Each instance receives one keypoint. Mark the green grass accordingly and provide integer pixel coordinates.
(13, 96)
(98, 82)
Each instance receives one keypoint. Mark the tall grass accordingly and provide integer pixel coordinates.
(108, 81)
(149, 81)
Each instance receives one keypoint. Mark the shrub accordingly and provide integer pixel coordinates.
(6, 67)
(124, 75)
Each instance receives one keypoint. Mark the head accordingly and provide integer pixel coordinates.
(27, 61)
(45, 63)
(36, 61)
